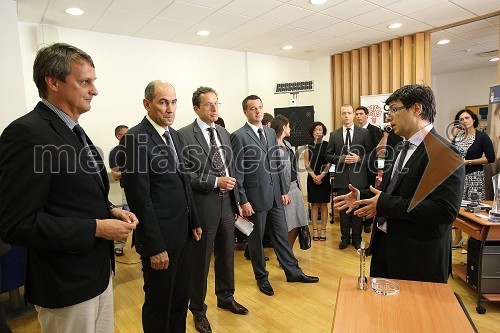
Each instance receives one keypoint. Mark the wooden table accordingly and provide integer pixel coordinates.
(419, 307)
(482, 230)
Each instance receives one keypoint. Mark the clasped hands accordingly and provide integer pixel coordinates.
(362, 208)
(350, 158)
(117, 228)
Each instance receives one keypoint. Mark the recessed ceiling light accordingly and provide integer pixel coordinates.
(74, 11)
(395, 26)
(443, 41)
(317, 2)
(287, 47)
(494, 59)
(203, 33)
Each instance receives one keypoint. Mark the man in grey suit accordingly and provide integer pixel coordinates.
(348, 148)
(209, 159)
(259, 177)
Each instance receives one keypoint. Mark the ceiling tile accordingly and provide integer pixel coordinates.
(146, 7)
(367, 36)
(185, 12)
(216, 4)
(346, 10)
(375, 17)
(257, 27)
(316, 8)
(409, 27)
(167, 29)
(478, 7)
(407, 7)
(285, 14)
(286, 33)
(315, 22)
(340, 29)
(255, 7)
(435, 15)
(116, 18)
(225, 20)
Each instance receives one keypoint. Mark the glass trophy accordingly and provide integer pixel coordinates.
(495, 207)
(385, 287)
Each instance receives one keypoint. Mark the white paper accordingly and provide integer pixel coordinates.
(244, 225)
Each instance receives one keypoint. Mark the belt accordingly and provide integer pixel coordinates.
(221, 193)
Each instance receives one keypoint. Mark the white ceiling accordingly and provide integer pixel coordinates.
(264, 26)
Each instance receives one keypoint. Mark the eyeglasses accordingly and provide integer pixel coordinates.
(393, 109)
(209, 105)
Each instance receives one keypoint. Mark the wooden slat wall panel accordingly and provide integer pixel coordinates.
(427, 61)
(346, 78)
(395, 64)
(419, 58)
(374, 70)
(385, 71)
(337, 88)
(365, 83)
(379, 69)
(407, 63)
(355, 78)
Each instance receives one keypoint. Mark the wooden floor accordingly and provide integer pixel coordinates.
(295, 307)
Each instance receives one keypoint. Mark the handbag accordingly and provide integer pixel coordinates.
(304, 238)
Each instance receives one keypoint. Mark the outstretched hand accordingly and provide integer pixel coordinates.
(369, 208)
(347, 201)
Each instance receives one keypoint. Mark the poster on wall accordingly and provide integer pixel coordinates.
(494, 119)
(375, 104)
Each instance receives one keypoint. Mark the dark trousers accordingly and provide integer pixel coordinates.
(349, 222)
(275, 222)
(167, 293)
(218, 234)
(378, 264)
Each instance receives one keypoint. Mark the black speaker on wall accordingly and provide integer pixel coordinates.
(301, 118)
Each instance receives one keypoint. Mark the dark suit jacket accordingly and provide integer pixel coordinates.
(375, 136)
(346, 174)
(419, 241)
(259, 172)
(202, 172)
(49, 204)
(159, 194)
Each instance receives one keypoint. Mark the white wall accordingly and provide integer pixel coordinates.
(454, 91)
(321, 72)
(124, 66)
(12, 92)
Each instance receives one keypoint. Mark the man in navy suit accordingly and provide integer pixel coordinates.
(158, 190)
(420, 196)
(54, 197)
(259, 177)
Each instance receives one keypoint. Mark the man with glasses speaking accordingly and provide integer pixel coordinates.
(420, 196)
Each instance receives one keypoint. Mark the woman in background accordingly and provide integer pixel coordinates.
(477, 150)
(295, 211)
(318, 179)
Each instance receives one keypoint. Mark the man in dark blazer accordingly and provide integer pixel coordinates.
(259, 177)
(420, 196)
(158, 190)
(375, 136)
(348, 148)
(54, 199)
(372, 168)
(209, 159)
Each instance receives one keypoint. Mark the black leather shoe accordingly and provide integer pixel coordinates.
(367, 228)
(343, 244)
(265, 288)
(356, 244)
(201, 323)
(248, 257)
(303, 278)
(232, 306)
